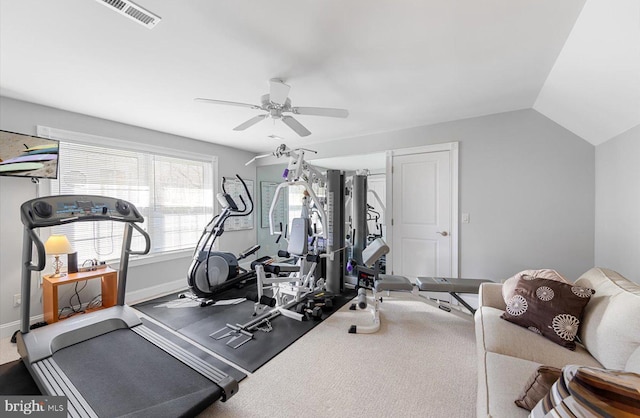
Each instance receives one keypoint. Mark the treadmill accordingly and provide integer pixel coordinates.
(107, 362)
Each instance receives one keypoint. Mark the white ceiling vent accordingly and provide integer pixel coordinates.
(132, 11)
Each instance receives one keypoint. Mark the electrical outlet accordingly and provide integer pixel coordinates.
(17, 300)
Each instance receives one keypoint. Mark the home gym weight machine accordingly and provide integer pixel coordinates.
(107, 362)
(330, 238)
(299, 281)
(305, 242)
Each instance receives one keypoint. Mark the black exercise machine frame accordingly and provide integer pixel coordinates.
(204, 249)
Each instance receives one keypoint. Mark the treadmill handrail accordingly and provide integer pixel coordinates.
(42, 258)
(124, 257)
(147, 241)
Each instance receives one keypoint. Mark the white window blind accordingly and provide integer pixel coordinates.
(174, 195)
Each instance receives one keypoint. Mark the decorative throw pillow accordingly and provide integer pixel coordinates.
(548, 307)
(509, 285)
(591, 392)
(538, 386)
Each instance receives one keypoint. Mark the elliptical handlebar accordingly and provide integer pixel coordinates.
(249, 251)
(235, 211)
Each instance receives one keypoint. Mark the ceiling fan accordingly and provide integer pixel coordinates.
(276, 103)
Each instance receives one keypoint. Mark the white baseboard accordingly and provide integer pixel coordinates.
(155, 291)
(7, 330)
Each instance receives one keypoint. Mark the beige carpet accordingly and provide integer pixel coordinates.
(422, 363)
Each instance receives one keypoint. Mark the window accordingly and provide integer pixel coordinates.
(296, 197)
(173, 194)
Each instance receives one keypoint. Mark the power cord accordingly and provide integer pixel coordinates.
(94, 302)
(76, 293)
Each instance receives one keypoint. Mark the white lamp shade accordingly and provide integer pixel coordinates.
(58, 244)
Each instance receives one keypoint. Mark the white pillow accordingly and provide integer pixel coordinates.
(509, 285)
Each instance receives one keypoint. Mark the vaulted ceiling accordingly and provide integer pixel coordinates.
(392, 63)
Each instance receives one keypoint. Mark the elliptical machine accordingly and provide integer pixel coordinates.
(212, 271)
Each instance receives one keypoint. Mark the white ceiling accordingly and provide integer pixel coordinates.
(374, 162)
(394, 64)
(594, 87)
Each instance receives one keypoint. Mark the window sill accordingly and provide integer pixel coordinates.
(141, 260)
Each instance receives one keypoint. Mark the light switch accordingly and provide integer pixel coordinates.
(465, 218)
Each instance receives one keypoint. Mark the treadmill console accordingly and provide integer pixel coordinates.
(59, 210)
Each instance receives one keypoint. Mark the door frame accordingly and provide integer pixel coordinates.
(453, 148)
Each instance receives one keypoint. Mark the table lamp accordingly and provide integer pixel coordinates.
(57, 245)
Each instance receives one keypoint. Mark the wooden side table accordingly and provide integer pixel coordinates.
(109, 279)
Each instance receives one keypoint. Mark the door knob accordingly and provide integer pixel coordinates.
(443, 233)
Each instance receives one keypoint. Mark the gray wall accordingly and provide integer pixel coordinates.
(527, 183)
(617, 225)
(23, 117)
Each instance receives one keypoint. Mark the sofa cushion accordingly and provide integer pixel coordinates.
(548, 307)
(499, 336)
(538, 386)
(585, 391)
(509, 285)
(610, 329)
(504, 378)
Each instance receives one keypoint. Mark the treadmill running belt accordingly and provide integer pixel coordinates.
(121, 373)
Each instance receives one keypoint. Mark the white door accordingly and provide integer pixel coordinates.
(424, 227)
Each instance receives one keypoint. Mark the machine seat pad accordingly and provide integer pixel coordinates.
(287, 267)
(393, 283)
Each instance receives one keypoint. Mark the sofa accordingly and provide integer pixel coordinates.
(508, 354)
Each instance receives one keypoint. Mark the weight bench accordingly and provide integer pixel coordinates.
(369, 278)
(451, 286)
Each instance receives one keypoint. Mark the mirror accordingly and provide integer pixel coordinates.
(272, 174)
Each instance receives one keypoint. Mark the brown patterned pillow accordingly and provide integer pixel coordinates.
(548, 307)
(538, 386)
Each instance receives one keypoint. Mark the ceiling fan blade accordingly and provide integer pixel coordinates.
(296, 126)
(224, 102)
(278, 91)
(321, 111)
(249, 123)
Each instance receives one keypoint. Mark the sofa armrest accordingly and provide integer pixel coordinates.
(490, 294)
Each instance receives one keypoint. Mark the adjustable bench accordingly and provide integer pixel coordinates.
(369, 278)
